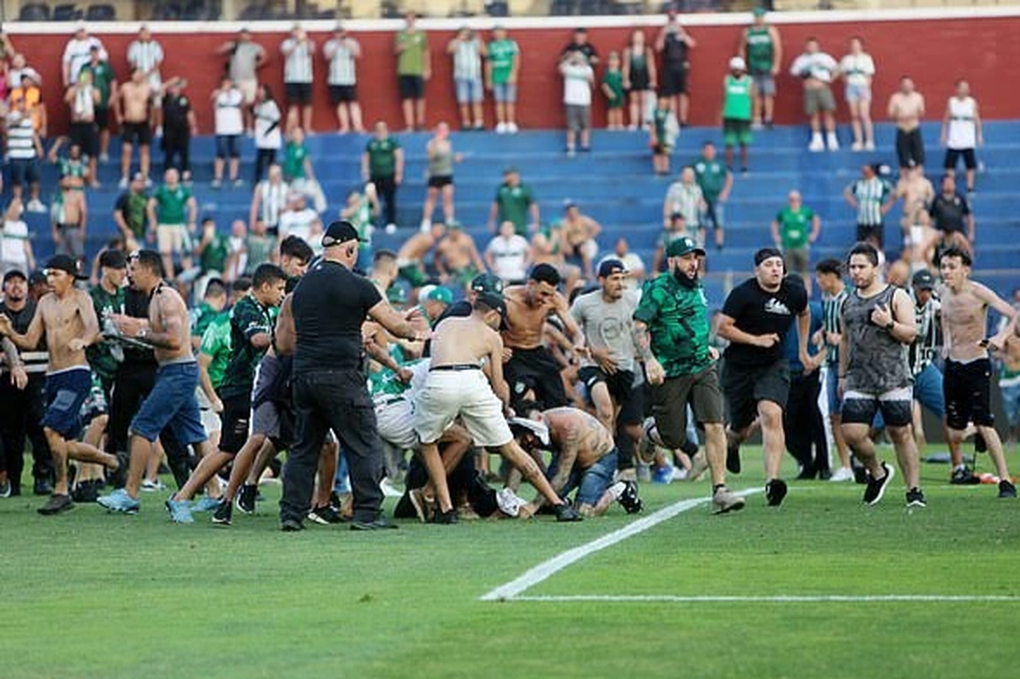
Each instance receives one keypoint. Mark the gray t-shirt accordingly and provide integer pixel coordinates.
(607, 325)
(876, 361)
(242, 63)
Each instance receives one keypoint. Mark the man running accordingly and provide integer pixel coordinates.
(68, 319)
(967, 382)
(878, 326)
(829, 274)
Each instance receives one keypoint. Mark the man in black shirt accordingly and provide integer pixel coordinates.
(330, 304)
(756, 376)
(951, 216)
(580, 45)
(178, 126)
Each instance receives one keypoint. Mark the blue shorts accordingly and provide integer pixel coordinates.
(228, 146)
(591, 483)
(832, 389)
(928, 390)
(66, 391)
(172, 403)
(469, 90)
(504, 93)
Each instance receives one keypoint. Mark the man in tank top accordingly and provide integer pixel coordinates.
(961, 132)
(762, 49)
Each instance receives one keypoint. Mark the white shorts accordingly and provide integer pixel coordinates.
(448, 394)
(395, 421)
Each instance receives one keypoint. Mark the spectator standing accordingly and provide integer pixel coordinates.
(961, 132)
(146, 55)
(133, 105)
(817, 69)
(77, 54)
(738, 93)
(69, 216)
(268, 200)
(441, 159)
(762, 49)
(579, 45)
(173, 214)
(951, 217)
(508, 255)
(105, 81)
(28, 89)
(579, 232)
(179, 125)
(245, 58)
(674, 43)
(670, 232)
(468, 52)
(18, 70)
(578, 79)
(361, 211)
(716, 182)
(857, 69)
(612, 89)
(229, 126)
(514, 202)
(15, 242)
(414, 68)
(268, 136)
(662, 135)
(794, 229)
(258, 247)
(872, 197)
(382, 163)
(24, 148)
(906, 108)
(130, 212)
(639, 79)
(686, 198)
(298, 75)
(342, 53)
(83, 97)
(502, 68)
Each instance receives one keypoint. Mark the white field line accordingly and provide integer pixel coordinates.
(779, 599)
(554, 565)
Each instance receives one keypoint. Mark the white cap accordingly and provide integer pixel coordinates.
(737, 64)
(539, 429)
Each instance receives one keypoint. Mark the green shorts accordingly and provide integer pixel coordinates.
(413, 274)
(670, 399)
(736, 132)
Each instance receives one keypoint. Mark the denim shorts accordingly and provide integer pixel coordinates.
(172, 403)
(928, 390)
(66, 391)
(469, 90)
(504, 93)
(591, 483)
(832, 389)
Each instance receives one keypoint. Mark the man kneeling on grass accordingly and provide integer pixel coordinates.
(584, 457)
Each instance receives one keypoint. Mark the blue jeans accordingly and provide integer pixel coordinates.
(591, 483)
(469, 90)
(832, 389)
(172, 403)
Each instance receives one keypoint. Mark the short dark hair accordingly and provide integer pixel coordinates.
(242, 285)
(215, 288)
(267, 273)
(866, 249)
(525, 407)
(383, 254)
(151, 260)
(293, 246)
(955, 251)
(831, 265)
(545, 273)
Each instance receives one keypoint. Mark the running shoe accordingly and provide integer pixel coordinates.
(324, 516)
(876, 487)
(1006, 488)
(963, 477)
(380, 523)
(842, 475)
(150, 486)
(629, 499)
(732, 452)
(915, 498)
(56, 504)
(291, 526)
(566, 513)
(447, 518)
(179, 510)
(85, 491)
(206, 504)
(245, 500)
(5, 488)
(509, 502)
(224, 514)
(775, 491)
(725, 501)
(120, 501)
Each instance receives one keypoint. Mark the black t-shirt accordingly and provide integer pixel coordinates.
(947, 214)
(674, 51)
(586, 49)
(20, 319)
(759, 312)
(175, 112)
(330, 304)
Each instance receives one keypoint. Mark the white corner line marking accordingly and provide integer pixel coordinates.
(778, 599)
(548, 568)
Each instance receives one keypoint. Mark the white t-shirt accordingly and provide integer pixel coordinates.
(962, 123)
(267, 125)
(228, 112)
(577, 79)
(819, 66)
(298, 223)
(509, 257)
(857, 68)
(12, 245)
(77, 54)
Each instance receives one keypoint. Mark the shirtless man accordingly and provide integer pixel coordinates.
(70, 216)
(579, 232)
(457, 387)
(917, 193)
(412, 254)
(530, 366)
(133, 114)
(67, 317)
(457, 258)
(968, 376)
(906, 107)
(172, 402)
(584, 458)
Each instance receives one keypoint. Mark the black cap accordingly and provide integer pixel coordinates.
(66, 264)
(923, 280)
(340, 232)
(37, 277)
(15, 273)
(113, 259)
(766, 253)
(611, 266)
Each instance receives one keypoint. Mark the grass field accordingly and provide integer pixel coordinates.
(90, 595)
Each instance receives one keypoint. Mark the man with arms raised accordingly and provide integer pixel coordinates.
(967, 382)
(68, 318)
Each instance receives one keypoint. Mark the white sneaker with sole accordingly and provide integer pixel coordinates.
(842, 475)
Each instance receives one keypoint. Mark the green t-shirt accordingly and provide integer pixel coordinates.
(795, 227)
(99, 356)
(614, 79)
(513, 203)
(294, 161)
(411, 61)
(132, 207)
(382, 157)
(501, 57)
(72, 168)
(737, 98)
(760, 50)
(216, 345)
(247, 319)
(385, 382)
(102, 76)
(677, 320)
(660, 119)
(362, 220)
(711, 177)
(201, 318)
(171, 204)
(214, 254)
(260, 251)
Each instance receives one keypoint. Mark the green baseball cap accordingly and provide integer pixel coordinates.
(760, 11)
(682, 246)
(440, 294)
(396, 295)
(487, 283)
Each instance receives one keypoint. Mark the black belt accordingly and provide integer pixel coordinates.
(456, 367)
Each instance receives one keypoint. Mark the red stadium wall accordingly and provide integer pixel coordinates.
(934, 52)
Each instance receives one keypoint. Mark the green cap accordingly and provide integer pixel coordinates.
(760, 11)
(440, 294)
(396, 295)
(682, 246)
(487, 283)
(454, 224)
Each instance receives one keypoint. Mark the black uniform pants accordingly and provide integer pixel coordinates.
(21, 413)
(803, 424)
(176, 146)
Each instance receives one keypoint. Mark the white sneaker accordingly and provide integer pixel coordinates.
(832, 141)
(500, 128)
(123, 183)
(699, 464)
(869, 146)
(509, 503)
(35, 205)
(391, 228)
(388, 489)
(511, 128)
(104, 158)
(816, 145)
(152, 486)
(842, 475)
(426, 224)
(857, 146)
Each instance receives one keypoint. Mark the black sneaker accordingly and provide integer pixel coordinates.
(245, 499)
(118, 476)
(446, 518)
(732, 452)
(56, 504)
(380, 523)
(291, 526)
(876, 487)
(565, 513)
(915, 498)
(325, 516)
(87, 491)
(629, 499)
(963, 477)
(775, 491)
(1006, 488)
(224, 514)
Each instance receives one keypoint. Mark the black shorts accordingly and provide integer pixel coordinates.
(968, 393)
(674, 81)
(745, 386)
(235, 417)
(670, 399)
(441, 180)
(411, 86)
(871, 231)
(23, 171)
(639, 80)
(535, 370)
(228, 146)
(629, 398)
(896, 406)
(343, 93)
(136, 133)
(298, 93)
(910, 147)
(102, 117)
(86, 137)
(953, 157)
